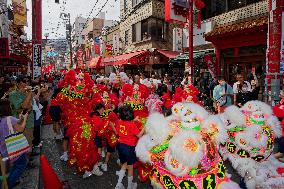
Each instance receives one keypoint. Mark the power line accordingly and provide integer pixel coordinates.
(90, 13)
(95, 15)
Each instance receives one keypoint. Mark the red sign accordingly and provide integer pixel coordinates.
(4, 48)
(211, 65)
(96, 49)
(80, 58)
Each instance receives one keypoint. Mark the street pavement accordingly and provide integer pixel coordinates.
(52, 149)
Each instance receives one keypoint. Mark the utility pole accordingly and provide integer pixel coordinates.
(70, 42)
(36, 37)
(275, 51)
(66, 17)
(190, 37)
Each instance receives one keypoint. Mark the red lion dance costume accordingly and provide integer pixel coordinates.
(188, 94)
(74, 102)
(135, 96)
(110, 102)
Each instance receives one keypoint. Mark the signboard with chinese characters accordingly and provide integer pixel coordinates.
(108, 50)
(177, 39)
(115, 43)
(96, 46)
(36, 60)
(80, 61)
(170, 12)
(198, 34)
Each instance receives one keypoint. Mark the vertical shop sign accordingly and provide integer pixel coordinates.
(115, 43)
(177, 39)
(210, 64)
(36, 60)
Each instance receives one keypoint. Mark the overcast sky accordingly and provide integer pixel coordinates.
(52, 10)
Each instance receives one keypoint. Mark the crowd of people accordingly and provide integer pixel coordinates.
(23, 102)
(113, 114)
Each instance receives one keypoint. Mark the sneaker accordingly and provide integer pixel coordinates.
(133, 185)
(104, 167)
(119, 186)
(96, 171)
(87, 174)
(64, 157)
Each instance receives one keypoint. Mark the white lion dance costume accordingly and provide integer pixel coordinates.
(182, 149)
(252, 130)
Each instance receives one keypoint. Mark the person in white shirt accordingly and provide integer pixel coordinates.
(242, 90)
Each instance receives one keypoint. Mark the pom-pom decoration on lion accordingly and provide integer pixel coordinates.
(252, 130)
(182, 149)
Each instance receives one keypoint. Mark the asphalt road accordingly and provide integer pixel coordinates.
(52, 149)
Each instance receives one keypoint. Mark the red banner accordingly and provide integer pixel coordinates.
(80, 58)
(4, 48)
(96, 49)
(211, 65)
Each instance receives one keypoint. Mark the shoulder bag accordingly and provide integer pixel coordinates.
(16, 143)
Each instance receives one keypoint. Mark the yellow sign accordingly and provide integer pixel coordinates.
(20, 12)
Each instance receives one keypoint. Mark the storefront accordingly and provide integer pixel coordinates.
(200, 66)
(145, 61)
(14, 64)
(240, 47)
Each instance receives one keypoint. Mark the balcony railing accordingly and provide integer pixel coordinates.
(252, 10)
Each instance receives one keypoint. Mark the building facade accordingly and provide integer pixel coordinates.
(4, 22)
(78, 26)
(143, 26)
(239, 35)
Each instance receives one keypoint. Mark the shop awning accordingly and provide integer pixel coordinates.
(21, 59)
(184, 57)
(128, 58)
(95, 62)
(169, 54)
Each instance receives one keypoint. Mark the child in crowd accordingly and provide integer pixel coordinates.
(55, 114)
(98, 111)
(279, 112)
(128, 133)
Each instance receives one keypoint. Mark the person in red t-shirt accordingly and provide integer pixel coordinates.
(128, 133)
(278, 111)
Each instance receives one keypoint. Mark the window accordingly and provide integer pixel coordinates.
(126, 37)
(125, 6)
(217, 7)
(135, 2)
(145, 29)
(150, 28)
(158, 29)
